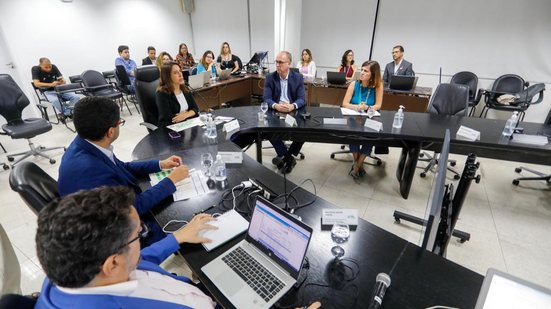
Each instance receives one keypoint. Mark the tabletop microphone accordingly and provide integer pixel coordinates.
(381, 284)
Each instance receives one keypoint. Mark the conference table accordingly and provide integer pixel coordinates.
(370, 250)
(239, 89)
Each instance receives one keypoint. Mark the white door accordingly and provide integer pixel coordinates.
(8, 66)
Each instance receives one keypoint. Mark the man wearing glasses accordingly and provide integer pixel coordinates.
(284, 92)
(399, 66)
(87, 245)
(90, 162)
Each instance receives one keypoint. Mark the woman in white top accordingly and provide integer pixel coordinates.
(307, 66)
(174, 102)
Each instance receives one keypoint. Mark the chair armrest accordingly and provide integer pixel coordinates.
(93, 88)
(479, 95)
(73, 87)
(149, 126)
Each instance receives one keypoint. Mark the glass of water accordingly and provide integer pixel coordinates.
(264, 108)
(339, 234)
(203, 117)
(206, 164)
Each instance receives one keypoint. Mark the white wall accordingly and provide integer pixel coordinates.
(262, 27)
(293, 19)
(85, 34)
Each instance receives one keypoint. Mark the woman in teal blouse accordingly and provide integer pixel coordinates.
(361, 94)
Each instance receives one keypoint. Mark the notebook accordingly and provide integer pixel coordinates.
(259, 270)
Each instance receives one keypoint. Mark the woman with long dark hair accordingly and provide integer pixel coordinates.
(347, 65)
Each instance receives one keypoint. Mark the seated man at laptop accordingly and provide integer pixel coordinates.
(90, 162)
(284, 92)
(128, 64)
(87, 245)
(397, 67)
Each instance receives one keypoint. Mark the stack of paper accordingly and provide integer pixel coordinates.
(194, 185)
(181, 126)
(351, 112)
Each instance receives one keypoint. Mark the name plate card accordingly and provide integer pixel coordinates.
(373, 124)
(290, 120)
(337, 121)
(231, 157)
(231, 126)
(467, 134)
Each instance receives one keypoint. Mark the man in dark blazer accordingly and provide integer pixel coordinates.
(89, 162)
(397, 67)
(284, 92)
(151, 58)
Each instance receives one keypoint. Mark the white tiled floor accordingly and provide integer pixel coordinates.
(510, 226)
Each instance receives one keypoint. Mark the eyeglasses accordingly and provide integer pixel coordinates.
(120, 123)
(143, 234)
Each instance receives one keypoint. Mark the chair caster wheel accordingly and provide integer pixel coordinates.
(456, 177)
(41, 147)
(421, 155)
(302, 157)
(461, 240)
(342, 147)
(6, 167)
(518, 169)
(453, 163)
(379, 163)
(64, 149)
(396, 220)
(516, 182)
(52, 161)
(332, 156)
(11, 159)
(423, 175)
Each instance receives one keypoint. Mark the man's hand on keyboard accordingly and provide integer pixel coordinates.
(314, 305)
(190, 232)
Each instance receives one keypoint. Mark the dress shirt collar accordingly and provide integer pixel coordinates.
(106, 151)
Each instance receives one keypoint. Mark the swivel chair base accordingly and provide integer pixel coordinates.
(541, 176)
(37, 151)
(376, 160)
(432, 161)
(398, 215)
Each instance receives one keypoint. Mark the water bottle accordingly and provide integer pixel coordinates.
(398, 118)
(213, 70)
(211, 128)
(370, 112)
(219, 169)
(510, 125)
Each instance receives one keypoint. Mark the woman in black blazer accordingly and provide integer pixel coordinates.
(174, 102)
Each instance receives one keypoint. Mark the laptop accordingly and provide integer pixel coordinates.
(402, 82)
(224, 74)
(206, 76)
(336, 78)
(196, 81)
(354, 77)
(502, 290)
(259, 270)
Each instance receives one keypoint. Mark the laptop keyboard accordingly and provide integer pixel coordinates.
(255, 275)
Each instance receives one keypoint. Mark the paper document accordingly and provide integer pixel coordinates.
(230, 224)
(194, 185)
(536, 140)
(189, 123)
(351, 112)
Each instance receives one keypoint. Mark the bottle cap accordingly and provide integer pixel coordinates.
(218, 157)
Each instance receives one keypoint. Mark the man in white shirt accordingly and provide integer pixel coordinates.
(397, 67)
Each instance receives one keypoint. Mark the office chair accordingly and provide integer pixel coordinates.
(123, 81)
(60, 90)
(146, 82)
(36, 188)
(448, 99)
(540, 175)
(75, 79)
(376, 160)
(505, 84)
(43, 104)
(96, 85)
(109, 76)
(5, 166)
(12, 103)
(471, 80)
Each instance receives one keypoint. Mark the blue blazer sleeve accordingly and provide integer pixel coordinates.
(297, 89)
(154, 195)
(159, 251)
(270, 91)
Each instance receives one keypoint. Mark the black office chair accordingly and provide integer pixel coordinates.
(36, 187)
(147, 80)
(540, 175)
(109, 76)
(75, 79)
(60, 90)
(505, 84)
(376, 160)
(5, 166)
(12, 103)
(96, 85)
(8, 301)
(448, 99)
(123, 81)
(471, 80)
(43, 104)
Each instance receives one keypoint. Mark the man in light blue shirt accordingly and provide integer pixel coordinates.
(128, 64)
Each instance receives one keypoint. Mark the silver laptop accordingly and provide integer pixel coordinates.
(502, 290)
(224, 74)
(256, 272)
(206, 76)
(196, 81)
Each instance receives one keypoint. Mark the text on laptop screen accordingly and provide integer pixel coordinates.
(284, 238)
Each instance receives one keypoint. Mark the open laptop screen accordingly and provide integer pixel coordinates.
(279, 235)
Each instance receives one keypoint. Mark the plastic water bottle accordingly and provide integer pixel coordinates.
(219, 169)
(398, 118)
(510, 125)
(211, 128)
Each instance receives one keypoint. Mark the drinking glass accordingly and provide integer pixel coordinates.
(203, 117)
(206, 164)
(339, 234)
(264, 108)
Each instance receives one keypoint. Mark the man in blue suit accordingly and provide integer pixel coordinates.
(89, 162)
(284, 92)
(87, 245)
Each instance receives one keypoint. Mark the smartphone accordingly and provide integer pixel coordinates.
(174, 134)
(60, 78)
